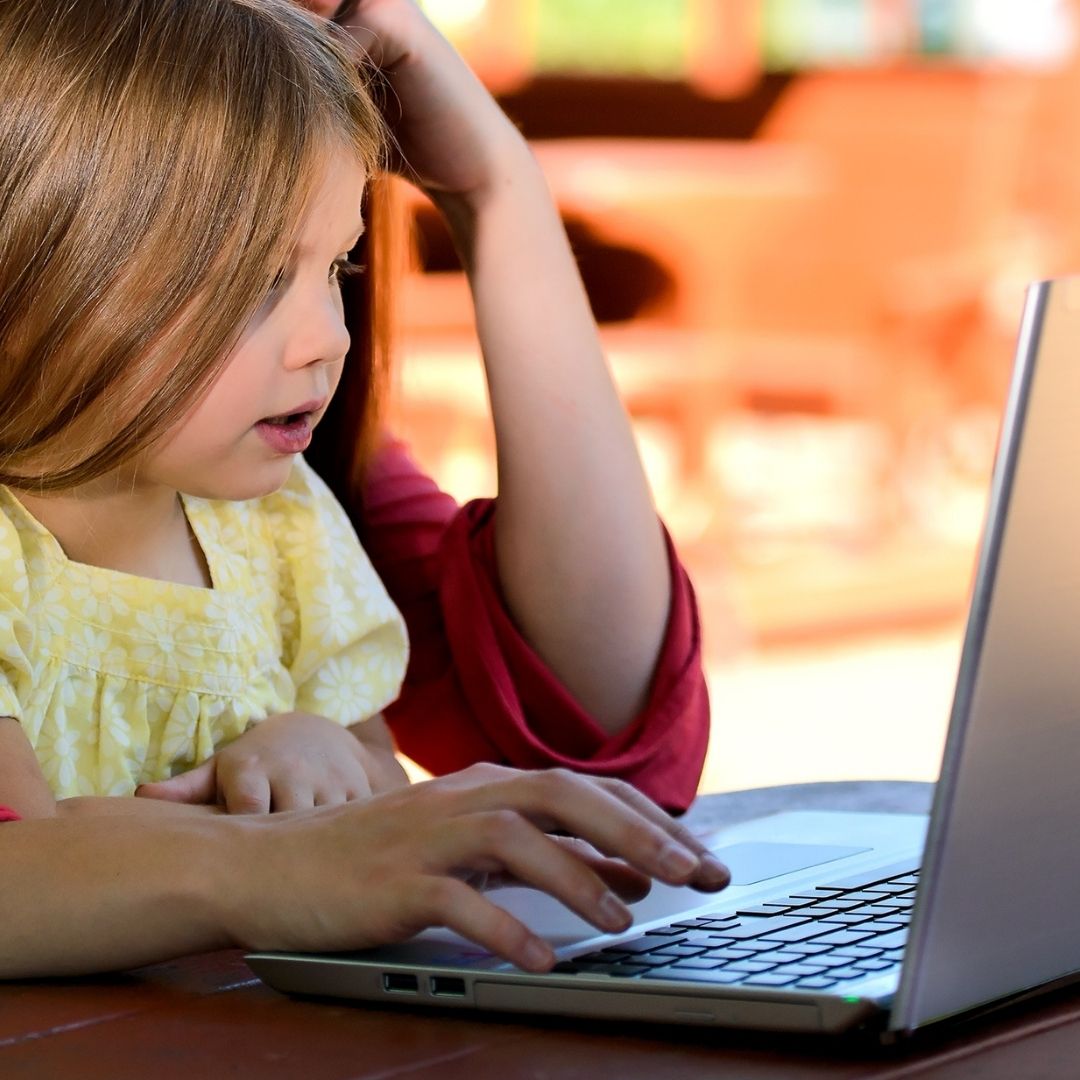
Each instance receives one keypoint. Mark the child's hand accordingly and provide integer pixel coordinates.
(289, 762)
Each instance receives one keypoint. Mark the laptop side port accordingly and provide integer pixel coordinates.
(447, 986)
(396, 983)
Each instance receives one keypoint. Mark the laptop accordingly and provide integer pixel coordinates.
(839, 921)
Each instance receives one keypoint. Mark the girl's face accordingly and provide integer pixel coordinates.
(239, 440)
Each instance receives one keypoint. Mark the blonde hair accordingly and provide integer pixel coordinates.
(155, 160)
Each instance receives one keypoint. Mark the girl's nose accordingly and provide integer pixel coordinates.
(318, 336)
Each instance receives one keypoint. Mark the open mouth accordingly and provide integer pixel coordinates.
(284, 421)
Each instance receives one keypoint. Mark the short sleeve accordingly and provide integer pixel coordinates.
(344, 641)
(16, 668)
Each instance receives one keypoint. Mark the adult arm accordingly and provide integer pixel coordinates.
(476, 690)
(580, 553)
(86, 895)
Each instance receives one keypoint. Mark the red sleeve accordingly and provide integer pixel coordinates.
(7, 814)
(476, 691)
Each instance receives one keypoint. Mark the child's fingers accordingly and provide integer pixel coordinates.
(289, 794)
(198, 785)
(245, 791)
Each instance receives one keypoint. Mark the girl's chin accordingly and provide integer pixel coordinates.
(240, 485)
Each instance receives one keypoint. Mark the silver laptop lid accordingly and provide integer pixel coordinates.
(1000, 892)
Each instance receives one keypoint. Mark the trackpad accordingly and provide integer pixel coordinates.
(754, 862)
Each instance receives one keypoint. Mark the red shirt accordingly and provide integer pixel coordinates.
(476, 691)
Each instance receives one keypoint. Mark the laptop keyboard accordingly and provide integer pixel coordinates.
(812, 940)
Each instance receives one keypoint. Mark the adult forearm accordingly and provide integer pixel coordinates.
(85, 896)
(579, 548)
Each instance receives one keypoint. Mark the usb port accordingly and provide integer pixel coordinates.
(400, 984)
(446, 986)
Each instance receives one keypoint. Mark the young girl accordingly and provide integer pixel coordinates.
(184, 608)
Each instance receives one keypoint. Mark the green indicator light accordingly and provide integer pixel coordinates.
(852, 1000)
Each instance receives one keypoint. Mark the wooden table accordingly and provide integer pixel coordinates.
(207, 1016)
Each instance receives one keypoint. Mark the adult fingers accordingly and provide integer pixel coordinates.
(713, 874)
(503, 841)
(557, 799)
(443, 901)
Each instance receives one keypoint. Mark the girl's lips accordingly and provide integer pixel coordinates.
(292, 437)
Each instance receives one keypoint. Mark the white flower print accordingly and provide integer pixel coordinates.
(98, 600)
(342, 691)
(332, 614)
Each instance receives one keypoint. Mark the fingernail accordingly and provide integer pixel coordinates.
(538, 956)
(614, 914)
(715, 871)
(677, 861)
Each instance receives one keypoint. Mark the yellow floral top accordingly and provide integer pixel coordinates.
(118, 680)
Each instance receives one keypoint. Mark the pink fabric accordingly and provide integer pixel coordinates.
(476, 691)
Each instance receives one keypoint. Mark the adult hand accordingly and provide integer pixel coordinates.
(385, 869)
(452, 136)
(293, 761)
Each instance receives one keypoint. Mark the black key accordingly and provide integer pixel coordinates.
(830, 960)
(818, 911)
(802, 932)
(697, 963)
(798, 970)
(874, 965)
(848, 918)
(893, 954)
(816, 893)
(704, 923)
(890, 887)
(666, 931)
(894, 940)
(858, 952)
(883, 926)
(907, 879)
(840, 903)
(748, 966)
(627, 971)
(784, 957)
(752, 928)
(764, 909)
(681, 951)
(862, 896)
(755, 946)
(635, 945)
(816, 982)
(770, 979)
(847, 973)
(724, 955)
(808, 948)
(875, 910)
(717, 977)
(845, 937)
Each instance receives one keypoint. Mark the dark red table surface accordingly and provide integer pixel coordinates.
(208, 1016)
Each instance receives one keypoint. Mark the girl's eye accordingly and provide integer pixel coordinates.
(342, 268)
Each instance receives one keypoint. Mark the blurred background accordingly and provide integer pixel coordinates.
(805, 227)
